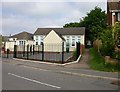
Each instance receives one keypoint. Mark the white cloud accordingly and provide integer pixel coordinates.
(28, 16)
(54, 0)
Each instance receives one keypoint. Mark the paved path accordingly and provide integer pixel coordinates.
(83, 63)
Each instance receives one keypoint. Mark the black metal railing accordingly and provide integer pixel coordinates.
(58, 53)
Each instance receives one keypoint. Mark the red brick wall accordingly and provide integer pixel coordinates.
(82, 47)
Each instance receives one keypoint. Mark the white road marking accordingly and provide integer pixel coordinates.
(34, 81)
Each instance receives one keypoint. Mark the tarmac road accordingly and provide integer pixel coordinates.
(19, 76)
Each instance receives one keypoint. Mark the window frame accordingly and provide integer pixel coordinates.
(68, 39)
(22, 42)
(36, 40)
(78, 39)
(41, 39)
(73, 41)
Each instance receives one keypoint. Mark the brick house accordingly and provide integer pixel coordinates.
(113, 12)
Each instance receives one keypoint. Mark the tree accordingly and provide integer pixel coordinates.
(0, 39)
(75, 24)
(94, 23)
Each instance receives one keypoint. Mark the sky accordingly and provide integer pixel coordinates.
(18, 16)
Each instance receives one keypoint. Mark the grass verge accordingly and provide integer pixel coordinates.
(97, 63)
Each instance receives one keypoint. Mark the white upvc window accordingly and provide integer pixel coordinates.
(36, 40)
(67, 41)
(41, 39)
(73, 40)
(22, 43)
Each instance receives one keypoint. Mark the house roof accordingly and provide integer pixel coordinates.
(114, 5)
(23, 35)
(61, 31)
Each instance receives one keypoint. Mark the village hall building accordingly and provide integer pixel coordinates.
(59, 35)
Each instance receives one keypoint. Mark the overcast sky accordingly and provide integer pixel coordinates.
(28, 16)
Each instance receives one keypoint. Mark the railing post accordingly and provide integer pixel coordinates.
(30, 49)
(24, 51)
(33, 49)
(15, 51)
(8, 51)
(77, 50)
(27, 52)
(38, 48)
(42, 51)
(62, 52)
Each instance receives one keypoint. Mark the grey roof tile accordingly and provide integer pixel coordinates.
(23, 35)
(61, 31)
(114, 5)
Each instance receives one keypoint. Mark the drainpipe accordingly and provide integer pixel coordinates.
(113, 21)
(113, 18)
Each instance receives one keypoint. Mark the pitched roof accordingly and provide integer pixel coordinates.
(61, 31)
(114, 5)
(23, 35)
(61, 36)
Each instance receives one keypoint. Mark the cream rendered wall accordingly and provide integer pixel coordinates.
(12, 39)
(52, 37)
(52, 42)
(9, 45)
(30, 42)
(27, 42)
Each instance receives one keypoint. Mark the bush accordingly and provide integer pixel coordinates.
(116, 55)
(108, 42)
(97, 62)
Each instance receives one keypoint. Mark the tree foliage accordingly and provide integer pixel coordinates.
(108, 42)
(94, 21)
(116, 33)
(109, 38)
(75, 24)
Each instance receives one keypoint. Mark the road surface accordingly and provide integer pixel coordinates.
(22, 76)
